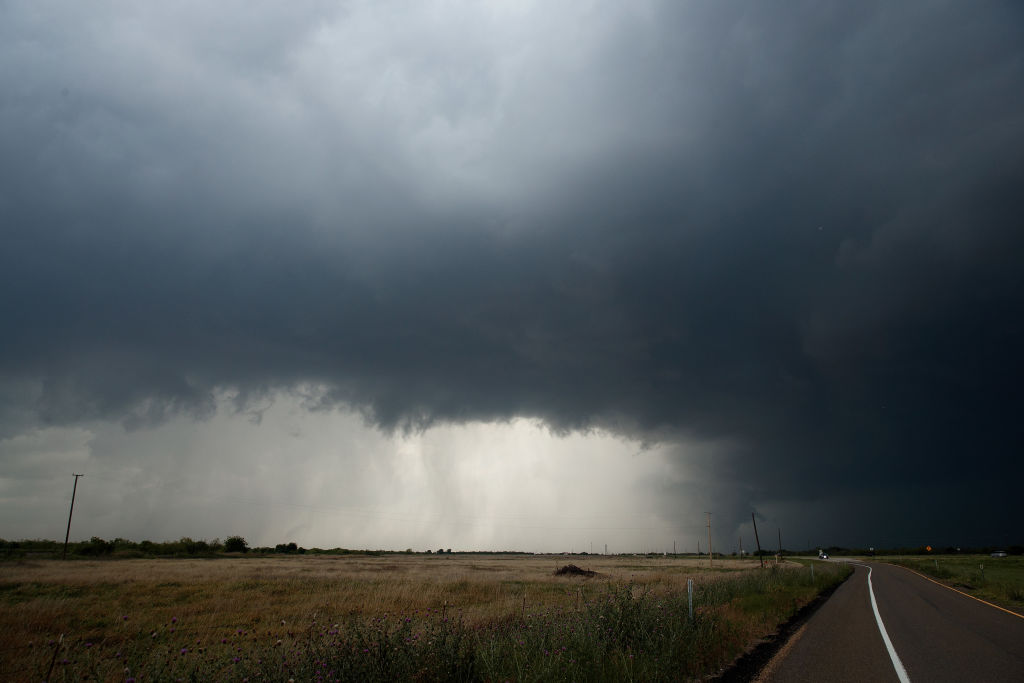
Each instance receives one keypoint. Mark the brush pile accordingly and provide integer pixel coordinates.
(573, 570)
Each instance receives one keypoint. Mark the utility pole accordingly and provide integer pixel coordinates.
(741, 547)
(780, 545)
(67, 534)
(757, 538)
(711, 554)
(673, 547)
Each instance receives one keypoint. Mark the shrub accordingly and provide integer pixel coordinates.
(236, 544)
(96, 546)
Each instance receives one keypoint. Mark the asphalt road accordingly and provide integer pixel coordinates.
(936, 634)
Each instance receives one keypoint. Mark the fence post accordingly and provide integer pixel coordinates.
(689, 595)
(56, 649)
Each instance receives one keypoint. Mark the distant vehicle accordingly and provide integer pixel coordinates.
(822, 555)
(999, 553)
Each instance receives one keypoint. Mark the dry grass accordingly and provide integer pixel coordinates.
(44, 598)
(110, 602)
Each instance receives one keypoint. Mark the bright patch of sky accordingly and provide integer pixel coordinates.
(326, 479)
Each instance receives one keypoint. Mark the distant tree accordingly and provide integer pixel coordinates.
(193, 547)
(96, 546)
(122, 543)
(236, 544)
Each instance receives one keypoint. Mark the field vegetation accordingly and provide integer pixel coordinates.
(389, 617)
(999, 580)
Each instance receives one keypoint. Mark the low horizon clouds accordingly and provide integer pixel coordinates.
(762, 258)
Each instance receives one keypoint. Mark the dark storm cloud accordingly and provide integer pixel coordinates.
(796, 231)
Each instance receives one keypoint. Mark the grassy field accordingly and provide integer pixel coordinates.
(392, 617)
(997, 579)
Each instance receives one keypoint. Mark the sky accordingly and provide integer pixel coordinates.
(513, 275)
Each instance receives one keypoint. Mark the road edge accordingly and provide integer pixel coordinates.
(750, 664)
(937, 582)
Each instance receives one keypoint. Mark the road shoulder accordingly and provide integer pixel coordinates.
(749, 665)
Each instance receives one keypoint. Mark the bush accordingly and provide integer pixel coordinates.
(236, 544)
(96, 546)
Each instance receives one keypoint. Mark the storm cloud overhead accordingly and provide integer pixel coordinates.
(608, 264)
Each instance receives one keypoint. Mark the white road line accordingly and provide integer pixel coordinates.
(896, 663)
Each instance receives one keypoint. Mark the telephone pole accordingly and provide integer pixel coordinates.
(757, 539)
(67, 534)
(711, 554)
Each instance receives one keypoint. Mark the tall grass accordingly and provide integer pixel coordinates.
(617, 628)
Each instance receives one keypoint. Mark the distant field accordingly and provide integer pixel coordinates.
(451, 617)
(996, 579)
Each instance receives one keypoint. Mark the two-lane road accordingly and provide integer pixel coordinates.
(934, 633)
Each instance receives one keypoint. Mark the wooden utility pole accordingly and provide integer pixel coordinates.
(780, 545)
(741, 547)
(758, 539)
(67, 534)
(711, 554)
